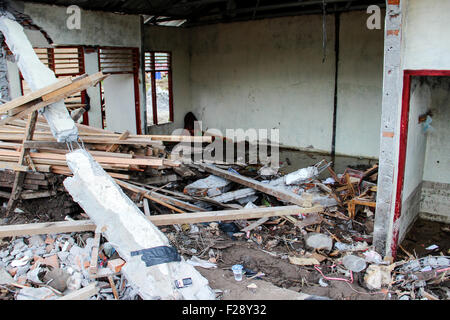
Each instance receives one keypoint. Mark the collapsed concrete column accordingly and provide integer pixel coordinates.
(127, 229)
(37, 76)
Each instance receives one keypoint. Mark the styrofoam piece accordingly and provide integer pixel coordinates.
(127, 229)
(301, 175)
(37, 76)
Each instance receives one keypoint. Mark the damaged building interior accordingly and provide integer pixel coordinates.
(224, 150)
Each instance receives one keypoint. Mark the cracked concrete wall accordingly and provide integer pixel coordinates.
(415, 156)
(4, 83)
(426, 30)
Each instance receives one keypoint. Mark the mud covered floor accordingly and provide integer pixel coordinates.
(279, 273)
(424, 234)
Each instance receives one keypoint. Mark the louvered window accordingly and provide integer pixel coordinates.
(158, 79)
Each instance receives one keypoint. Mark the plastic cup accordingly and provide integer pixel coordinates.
(237, 271)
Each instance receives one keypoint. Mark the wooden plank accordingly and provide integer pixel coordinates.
(20, 176)
(227, 215)
(79, 84)
(114, 147)
(165, 198)
(152, 162)
(158, 220)
(146, 207)
(82, 294)
(113, 287)
(37, 195)
(251, 183)
(146, 195)
(94, 255)
(34, 95)
(46, 228)
(13, 166)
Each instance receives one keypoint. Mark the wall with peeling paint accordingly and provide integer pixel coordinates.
(425, 35)
(415, 155)
(97, 29)
(436, 187)
(270, 74)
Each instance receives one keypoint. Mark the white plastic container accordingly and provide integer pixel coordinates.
(237, 271)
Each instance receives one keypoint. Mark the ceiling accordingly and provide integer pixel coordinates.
(188, 13)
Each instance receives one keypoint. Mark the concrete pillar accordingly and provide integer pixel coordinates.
(390, 126)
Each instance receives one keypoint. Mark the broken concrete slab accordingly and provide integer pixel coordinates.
(5, 277)
(210, 186)
(127, 229)
(235, 195)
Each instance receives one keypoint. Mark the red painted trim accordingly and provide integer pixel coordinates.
(153, 82)
(404, 123)
(136, 92)
(170, 96)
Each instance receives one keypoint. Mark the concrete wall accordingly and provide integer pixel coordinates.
(117, 95)
(415, 155)
(272, 76)
(360, 85)
(437, 161)
(435, 203)
(266, 74)
(425, 35)
(175, 40)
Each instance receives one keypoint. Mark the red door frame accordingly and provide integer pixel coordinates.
(404, 122)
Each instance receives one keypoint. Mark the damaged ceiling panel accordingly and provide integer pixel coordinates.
(199, 12)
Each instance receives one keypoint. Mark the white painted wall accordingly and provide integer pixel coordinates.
(437, 161)
(435, 202)
(360, 85)
(415, 156)
(426, 35)
(269, 74)
(417, 139)
(266, 74)
(97, 28)
(119, 93)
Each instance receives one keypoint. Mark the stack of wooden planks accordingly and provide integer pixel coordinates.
(28, 146)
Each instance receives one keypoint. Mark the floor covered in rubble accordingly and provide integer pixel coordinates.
(278, 262)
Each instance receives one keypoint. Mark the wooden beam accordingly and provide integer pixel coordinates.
(94, 256)
(251, 183)
(185, 205)
(20, 175)
(158, 220)
(34, 95)
(79, 84)
(114, 147)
